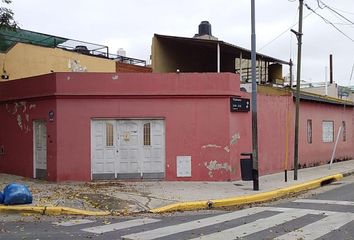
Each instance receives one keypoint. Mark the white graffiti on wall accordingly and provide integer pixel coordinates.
(75, 66)
(210, 146)
(213, 165)
(21, 113)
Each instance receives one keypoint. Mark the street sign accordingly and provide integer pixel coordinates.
(239, 104)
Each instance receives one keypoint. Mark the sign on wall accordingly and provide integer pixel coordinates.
(327, 131)
(239, 104)
(184, 166)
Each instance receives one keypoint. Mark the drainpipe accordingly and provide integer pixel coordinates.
(241, 66)
(330, 69)
(326, 89)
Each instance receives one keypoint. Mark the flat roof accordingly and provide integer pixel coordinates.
(324, 99)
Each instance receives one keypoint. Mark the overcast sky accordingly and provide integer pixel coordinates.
(131, 25)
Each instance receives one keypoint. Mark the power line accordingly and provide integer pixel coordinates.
(351, 13)
(351, 75)
(282, 33)
(328, 22)
(330, 8)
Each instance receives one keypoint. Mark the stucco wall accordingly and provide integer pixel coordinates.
(198, 121)
(194, 127)
(319, 152)
(16, 136)
(25, 60)
(195, 108)
(275, 133)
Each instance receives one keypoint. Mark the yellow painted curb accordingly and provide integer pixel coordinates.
(74, 211)
(241, 200)
(51, 210)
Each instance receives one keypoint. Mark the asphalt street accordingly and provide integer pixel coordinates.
(325, 213)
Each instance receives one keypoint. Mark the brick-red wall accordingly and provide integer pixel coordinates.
(124, 67)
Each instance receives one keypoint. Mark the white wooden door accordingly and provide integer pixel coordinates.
(153, 150)
(40, 149)
(129, 149)
(103, 149)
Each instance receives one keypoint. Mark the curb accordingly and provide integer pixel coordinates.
(349, 173)
(247, 199)
(51, 210)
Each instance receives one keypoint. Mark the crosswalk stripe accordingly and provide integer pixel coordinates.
(183, 227)
(345, 203)
(319, 228)
(308, 211)
(255, 226)
(120, 225)
(73, 222)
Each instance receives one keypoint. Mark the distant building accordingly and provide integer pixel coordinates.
(333, 90)
(205, 53)
(26, 53)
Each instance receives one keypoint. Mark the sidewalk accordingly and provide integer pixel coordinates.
(131, 197)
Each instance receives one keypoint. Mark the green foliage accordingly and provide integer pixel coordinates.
(7, 16)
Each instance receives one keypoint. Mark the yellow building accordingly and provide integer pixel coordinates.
(25, 53)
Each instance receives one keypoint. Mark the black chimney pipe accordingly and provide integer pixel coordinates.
(330, 69)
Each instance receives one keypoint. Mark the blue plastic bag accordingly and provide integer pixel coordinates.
(15, 193)
(1, 198)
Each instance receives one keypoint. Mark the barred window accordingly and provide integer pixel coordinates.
(309, 131)
(344, 131)
(147, 134)
(109, 134)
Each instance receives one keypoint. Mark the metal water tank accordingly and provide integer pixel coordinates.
(82, 49)
(204, 28)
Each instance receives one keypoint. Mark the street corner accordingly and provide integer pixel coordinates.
(99, 198)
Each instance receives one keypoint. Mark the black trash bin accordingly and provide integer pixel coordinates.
(246, 166)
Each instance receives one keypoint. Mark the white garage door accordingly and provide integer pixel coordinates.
(127, 149)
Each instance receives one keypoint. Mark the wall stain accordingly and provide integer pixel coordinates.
(20, 112)
(75, 66)
(210, 146)
(235, 138)
(213, 165)
(227, 149)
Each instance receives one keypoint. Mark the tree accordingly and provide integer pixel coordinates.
(7, 16)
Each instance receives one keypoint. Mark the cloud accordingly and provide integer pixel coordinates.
(131, 25)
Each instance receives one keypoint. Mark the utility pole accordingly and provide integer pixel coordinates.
(255, 174)
(299, 42)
